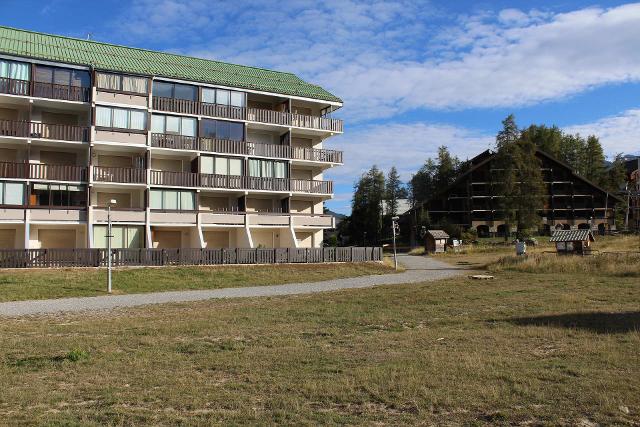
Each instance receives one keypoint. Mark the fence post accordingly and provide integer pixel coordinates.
(289, 255)
(163, 254)
(256, 258)
(352, 248)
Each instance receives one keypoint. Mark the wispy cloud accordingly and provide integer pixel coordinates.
(405, 146)
(388, 57)
(618, 134)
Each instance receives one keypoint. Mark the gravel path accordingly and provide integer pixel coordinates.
(418, 269)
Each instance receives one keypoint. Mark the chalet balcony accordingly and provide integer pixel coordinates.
(120, 175)
(44, 90)
(260, 115)
(45, 172)
(181, 142)
(24, 129)
(237, 182)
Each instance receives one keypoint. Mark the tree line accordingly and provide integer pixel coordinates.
(519, 180)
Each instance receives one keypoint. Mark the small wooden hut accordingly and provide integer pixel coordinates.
(435, 241)
(573, 241)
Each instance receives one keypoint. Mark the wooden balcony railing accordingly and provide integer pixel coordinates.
(14, 87)
(14, 128)
(311, 186)
(175, 179)
(236, 182)
(316, 154)
(222, 181)
(268, 184)
(56, 91)
(44, 90)
(178, 142)
(184, 106)
(42, 171)
(57, 172)
(60, 132)
(26, 129)
(226, 111)
(226, 146)
(116, 174)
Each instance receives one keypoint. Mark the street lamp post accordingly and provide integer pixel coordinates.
(109, 235)
(395, 228)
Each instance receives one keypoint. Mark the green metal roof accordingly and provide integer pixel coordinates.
(123, 59)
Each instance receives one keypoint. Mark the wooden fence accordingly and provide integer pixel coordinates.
(47, 258)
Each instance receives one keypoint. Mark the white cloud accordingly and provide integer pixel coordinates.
(387, 57)
(618, 134)
(405, 146)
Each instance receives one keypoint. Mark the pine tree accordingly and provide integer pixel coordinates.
(394, 190)
(594, 168)
(447, 168)
(366, 208)
(422, 184)
(617, 174)
(519, 184)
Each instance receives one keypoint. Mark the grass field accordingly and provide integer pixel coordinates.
(523, 349)
(58, 283)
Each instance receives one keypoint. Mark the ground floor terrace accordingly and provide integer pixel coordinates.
(146, 228)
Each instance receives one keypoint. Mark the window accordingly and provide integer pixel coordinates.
(124, 236)
(220, 129)
(220, 165)
(267, 168)
(14, 70)
(121, 118)
(237, 99)
(175, 90)
(174, 125)
(11, 193)
(172, 200)
(223, 97)
(58, 195)
(62, 76)
(122, 83)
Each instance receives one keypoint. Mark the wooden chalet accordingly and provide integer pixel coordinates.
(435, 241)
(573, 241)
(571, 201)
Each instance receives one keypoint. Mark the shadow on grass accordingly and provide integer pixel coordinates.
(598, 322)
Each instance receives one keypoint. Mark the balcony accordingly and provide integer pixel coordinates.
(322, 221)
(24, 129)
(44, 90)
(121, 175)
(184, 106)
(43, 172)
(181, 142)
(236, 182)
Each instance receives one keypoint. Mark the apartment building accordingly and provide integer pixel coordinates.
(195, 153)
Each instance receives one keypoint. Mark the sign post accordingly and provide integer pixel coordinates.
(109, 235)
(395, 228)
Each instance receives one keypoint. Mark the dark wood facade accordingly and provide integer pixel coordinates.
(471, 201)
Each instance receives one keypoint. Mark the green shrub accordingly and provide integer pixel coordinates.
(76, 355)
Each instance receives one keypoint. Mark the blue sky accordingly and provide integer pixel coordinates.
(413, 74)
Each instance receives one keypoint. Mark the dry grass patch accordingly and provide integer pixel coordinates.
(606, 264)
(523, 349)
